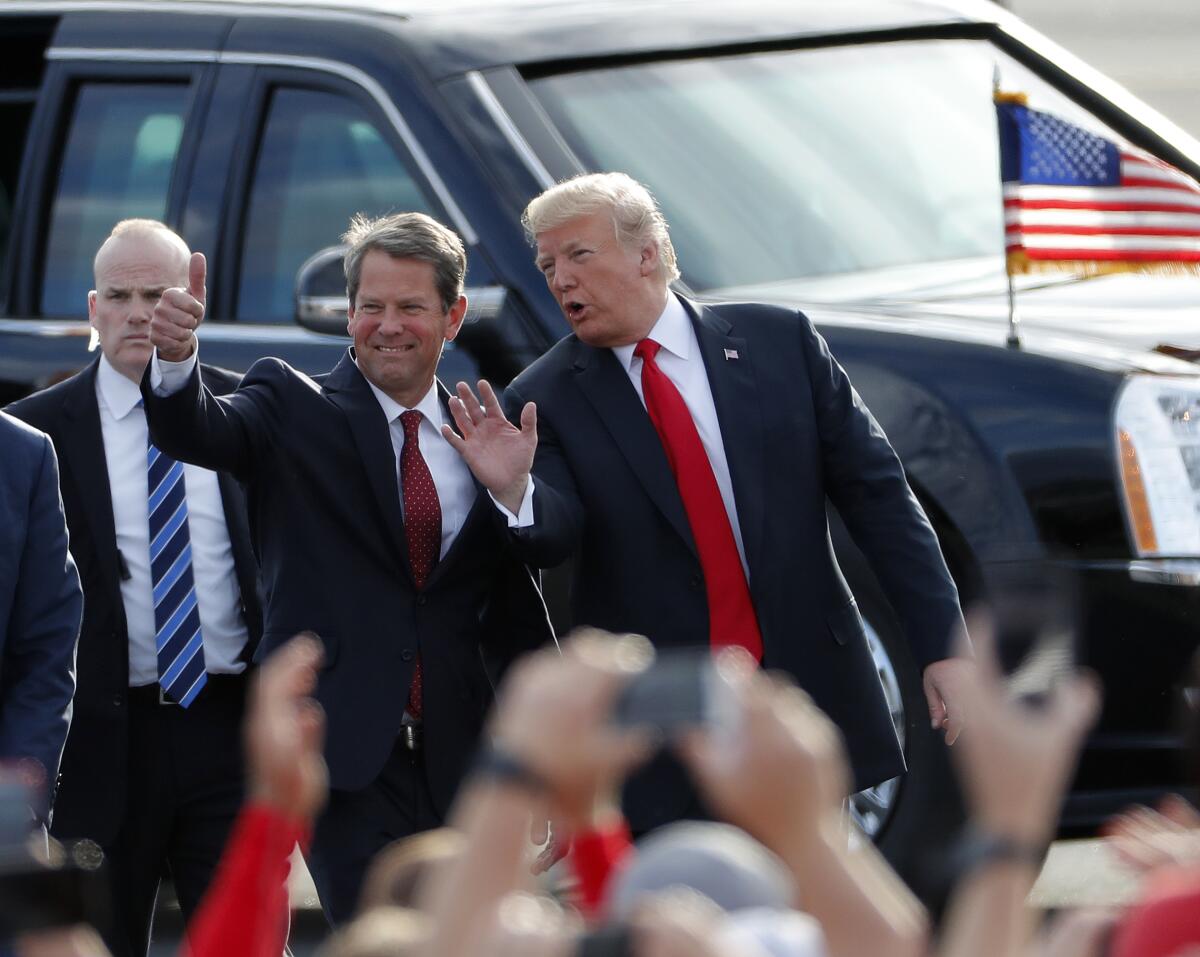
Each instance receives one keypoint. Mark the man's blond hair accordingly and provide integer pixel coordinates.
(635, 214)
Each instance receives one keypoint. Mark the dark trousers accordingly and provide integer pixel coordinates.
(356, 825)
(186, 784)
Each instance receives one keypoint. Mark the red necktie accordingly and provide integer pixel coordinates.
(422, 524)
(731, 618)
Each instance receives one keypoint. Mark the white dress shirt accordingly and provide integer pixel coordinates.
(218, 597)
(681, 362)
(451, 477)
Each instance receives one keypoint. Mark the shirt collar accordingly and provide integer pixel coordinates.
(120, 395)
(672, 331)
(430, 405)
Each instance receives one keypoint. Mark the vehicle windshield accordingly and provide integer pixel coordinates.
(806, 164)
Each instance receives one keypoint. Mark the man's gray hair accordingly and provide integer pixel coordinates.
(407, 236)
(635, 214)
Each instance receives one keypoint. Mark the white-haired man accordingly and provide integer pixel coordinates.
(684, 453)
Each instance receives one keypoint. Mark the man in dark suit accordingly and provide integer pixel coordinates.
(686, 452)
(152, 770)
(40, 607)
(372, 532)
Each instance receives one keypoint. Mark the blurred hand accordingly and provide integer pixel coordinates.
(552, 715)
(784, 775)
(1076, 933)
(678, 923)
(79, 941)
(1145, 839)
(498, 453)
(530, 925)
(1016, 758)
(945, 693)
(554, 839)
(178, 313)
(285, 729)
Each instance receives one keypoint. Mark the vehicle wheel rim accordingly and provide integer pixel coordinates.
(873, 807)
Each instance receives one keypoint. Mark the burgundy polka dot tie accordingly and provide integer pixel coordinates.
(422, 524)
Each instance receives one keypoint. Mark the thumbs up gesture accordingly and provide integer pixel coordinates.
(178, 313)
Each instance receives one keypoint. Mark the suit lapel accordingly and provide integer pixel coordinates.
(348, 390)
(607, 387)
(731, 366)
(82, 449)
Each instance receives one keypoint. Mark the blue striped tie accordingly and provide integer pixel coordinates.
(176, 617)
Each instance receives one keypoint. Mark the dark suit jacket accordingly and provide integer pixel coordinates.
(40, 602)
(91, 798)
(325, 515)
(794, 432)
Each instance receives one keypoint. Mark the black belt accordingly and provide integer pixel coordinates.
(215, 686)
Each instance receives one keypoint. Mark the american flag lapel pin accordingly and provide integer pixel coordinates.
(731, 354)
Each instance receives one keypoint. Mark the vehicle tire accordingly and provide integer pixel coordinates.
(912, 818)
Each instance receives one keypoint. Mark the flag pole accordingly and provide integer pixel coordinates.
(1014, 337)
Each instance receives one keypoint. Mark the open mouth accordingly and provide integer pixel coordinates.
(575, 310)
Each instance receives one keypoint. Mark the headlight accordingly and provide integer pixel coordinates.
(1157, 423)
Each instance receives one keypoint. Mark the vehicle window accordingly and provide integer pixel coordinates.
(321, 160)
(14, 116)
(22, 47)
(120, 153)
(783, 166)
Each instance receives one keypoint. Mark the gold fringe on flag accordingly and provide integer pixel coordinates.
(1019, 264)
(1021, 99)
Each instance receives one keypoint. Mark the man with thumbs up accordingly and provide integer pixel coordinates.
(152, 770)
(372, 532)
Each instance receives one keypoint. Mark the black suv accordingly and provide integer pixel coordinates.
(840, 157)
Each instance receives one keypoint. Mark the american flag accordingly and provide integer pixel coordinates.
(1077, 201)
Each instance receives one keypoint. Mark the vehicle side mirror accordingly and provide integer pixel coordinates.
(321, 303)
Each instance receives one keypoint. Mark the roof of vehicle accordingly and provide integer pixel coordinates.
(477, 34)
(845, 14)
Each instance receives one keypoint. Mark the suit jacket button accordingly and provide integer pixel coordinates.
(697, 581)
(406, 655)
(422, 600)
(118, 700)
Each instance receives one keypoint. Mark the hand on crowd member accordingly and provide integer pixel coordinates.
(554, 840)
(1017, 757)
(944, 686)
(531, 925)
(1083, 932)
(178, 313)
(1146, 839)
(678, 923)
(783, 774)
(552, 716)
(81, 941)
(284, 731)
(498, 453)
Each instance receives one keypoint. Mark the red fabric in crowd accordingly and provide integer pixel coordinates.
(597, 854)
(1166, 921)
(245, 912)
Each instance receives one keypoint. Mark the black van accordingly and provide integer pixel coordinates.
(840, 157)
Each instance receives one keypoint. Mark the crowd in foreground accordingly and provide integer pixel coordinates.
(777, 873)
